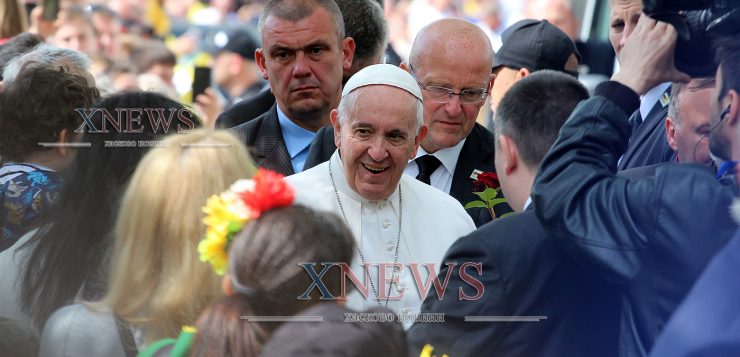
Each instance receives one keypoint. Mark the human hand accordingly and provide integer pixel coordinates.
(209, 107)
(41, 26)
(647, 56)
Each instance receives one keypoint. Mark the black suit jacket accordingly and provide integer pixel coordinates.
(525, 272)
(648, 144)
(246, 110)
(265, 142)
(477, 154)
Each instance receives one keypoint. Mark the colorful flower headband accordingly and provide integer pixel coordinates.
(229, 212)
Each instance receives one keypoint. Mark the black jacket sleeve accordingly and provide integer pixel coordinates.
(578, 196)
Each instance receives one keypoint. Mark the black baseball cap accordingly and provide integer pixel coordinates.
(238, 41)
(535, 45)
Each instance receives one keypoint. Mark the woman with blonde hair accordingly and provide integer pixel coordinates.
(157, 284)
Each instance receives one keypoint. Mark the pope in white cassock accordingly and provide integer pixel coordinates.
(395, 218)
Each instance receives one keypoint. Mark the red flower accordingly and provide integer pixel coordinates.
(486, 180)
(270, 191)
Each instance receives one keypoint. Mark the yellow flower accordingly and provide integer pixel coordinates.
(427, 351)
(213, 250)
(220, 214)
(227, 213)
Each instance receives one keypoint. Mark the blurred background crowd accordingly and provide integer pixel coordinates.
(156, 44)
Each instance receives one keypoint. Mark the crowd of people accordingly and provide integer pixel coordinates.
(334, 191)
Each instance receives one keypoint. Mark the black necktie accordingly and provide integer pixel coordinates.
(427, 165)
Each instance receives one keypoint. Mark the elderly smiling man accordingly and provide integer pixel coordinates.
(396, 219)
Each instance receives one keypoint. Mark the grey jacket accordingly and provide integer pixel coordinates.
(75, 330)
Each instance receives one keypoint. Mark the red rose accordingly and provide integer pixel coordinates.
(478, 186)
(490, 179)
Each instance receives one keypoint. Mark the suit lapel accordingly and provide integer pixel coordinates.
(641, 136)
(269, 145)
(476, 154)
(473, 156)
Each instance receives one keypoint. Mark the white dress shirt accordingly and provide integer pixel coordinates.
(647, 101)
(441, 178)
(432, 221)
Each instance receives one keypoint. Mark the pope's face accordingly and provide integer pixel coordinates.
(377, 139)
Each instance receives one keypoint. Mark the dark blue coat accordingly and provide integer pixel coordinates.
(708, 322)
(525, 273)
(652, 236)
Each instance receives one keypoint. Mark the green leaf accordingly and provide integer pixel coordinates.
(507, 214)
(494, 201)
(475, 204)
(487, 195)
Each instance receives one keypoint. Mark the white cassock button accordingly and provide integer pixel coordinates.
(386, 224)
(390, 247)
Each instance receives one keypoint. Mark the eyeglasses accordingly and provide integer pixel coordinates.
(443, 94)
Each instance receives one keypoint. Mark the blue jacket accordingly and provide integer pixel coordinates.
(653, 236)
(708, 322)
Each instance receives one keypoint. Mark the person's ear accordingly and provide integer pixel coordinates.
(731, 104)
(65, 137)
(491, 79)
(348, 52)
(670, 133)
(334, 117)
(523, 72)
(227, 285)
(417, 141)
(509, 154)
(260, 59)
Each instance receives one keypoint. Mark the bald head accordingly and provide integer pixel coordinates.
(451, 37)
(450, 57)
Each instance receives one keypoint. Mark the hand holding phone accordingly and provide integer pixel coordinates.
(201, 81)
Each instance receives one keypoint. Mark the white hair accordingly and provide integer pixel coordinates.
(349, 101)
(46, 55)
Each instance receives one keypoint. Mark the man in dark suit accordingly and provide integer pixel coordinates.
(304, 53)
(647, 144)
(545, 303)
(363, 22)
